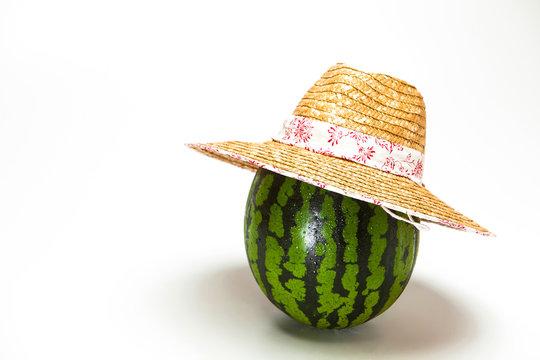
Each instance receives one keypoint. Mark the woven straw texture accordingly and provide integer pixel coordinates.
(374, 104)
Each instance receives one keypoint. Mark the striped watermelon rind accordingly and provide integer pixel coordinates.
(325, 259)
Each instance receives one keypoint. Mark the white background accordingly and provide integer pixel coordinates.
(117, 241)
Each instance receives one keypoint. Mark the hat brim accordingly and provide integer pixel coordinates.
(342, 176)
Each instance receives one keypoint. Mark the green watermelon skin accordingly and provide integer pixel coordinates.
(323, 258)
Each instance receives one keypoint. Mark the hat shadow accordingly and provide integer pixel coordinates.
(422, 319)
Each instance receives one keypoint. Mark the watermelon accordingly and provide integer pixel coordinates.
(325, 259)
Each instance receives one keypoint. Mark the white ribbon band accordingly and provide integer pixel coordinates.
(333, 140)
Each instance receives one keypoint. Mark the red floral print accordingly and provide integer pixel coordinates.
(388, 146)
(333, 140)
(358, 137)
(418, 170)
(364, 154)
(299, 130)
(405, 167)
(335, 135)
(323, 151)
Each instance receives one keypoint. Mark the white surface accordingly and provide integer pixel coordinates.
(118, 242)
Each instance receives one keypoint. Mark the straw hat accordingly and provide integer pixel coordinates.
(358, 134)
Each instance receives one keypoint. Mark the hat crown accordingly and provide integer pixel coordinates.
(375, 104)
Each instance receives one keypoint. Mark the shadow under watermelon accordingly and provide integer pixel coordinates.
(424, 318)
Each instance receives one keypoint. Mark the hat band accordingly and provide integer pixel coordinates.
(333, 140)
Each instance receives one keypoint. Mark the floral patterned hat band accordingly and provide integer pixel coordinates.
(356, 133)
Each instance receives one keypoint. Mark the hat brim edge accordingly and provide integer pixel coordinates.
(253, 164)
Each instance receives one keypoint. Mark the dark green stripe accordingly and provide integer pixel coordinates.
(260, 192)
(315, 252)
(388, 259)
(328, 300)
(249, 204)
(264, 226)
(377, 227)
(364, 247)
(350, 209)
(404, 261)
(337, 235)
(297, 252)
